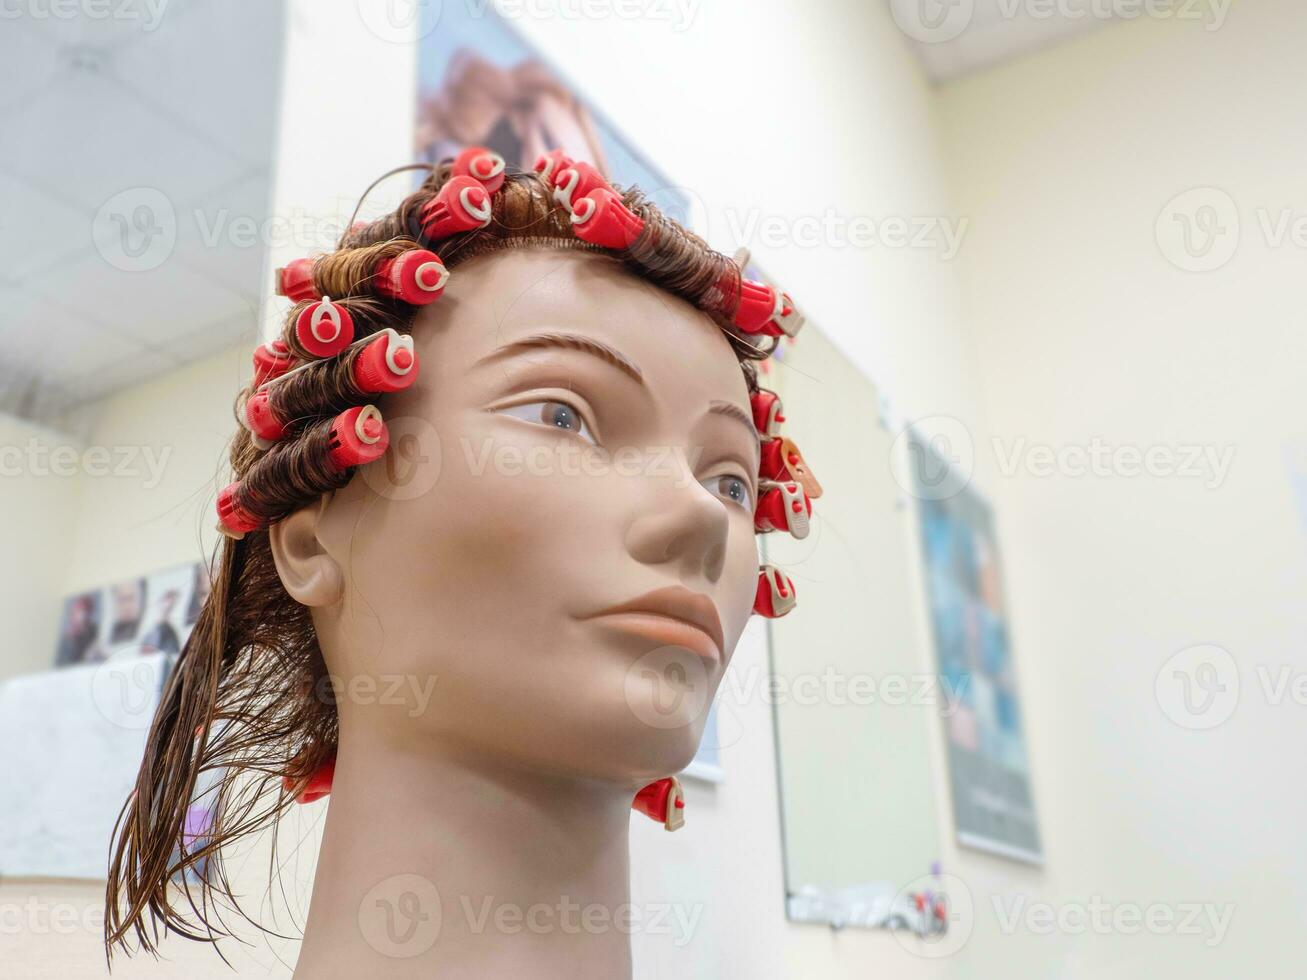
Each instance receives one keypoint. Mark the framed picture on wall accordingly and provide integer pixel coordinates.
(989, 773)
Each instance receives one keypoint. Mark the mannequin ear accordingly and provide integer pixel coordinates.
(309, 573)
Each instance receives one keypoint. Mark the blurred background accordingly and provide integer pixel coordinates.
(1037, 712)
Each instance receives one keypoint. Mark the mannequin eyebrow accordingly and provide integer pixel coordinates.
(733, 411)
(569, 341)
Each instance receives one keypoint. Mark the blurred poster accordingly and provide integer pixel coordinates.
(147, 614)
(989, 772)
(480, 84)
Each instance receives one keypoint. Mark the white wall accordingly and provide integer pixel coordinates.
(1082, 328)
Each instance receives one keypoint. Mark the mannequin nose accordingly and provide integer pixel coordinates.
(689, 529)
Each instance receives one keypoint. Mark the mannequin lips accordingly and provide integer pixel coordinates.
(673, 615)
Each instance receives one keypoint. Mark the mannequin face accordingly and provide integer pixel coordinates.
(556, 558)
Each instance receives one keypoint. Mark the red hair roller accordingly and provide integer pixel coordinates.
(261, 420)
(295, 281)
(236, 520)
(783, 507)
(775, 596)
(461, 205)
(767, 417)
(484, 165)
(759, 303)
(358, 436)
(662, 801)
(416, 276)
(548, 165)
(316, 787)
(324, 329)
(576, 181)
(271, 360)
(388, 363)
(601, 218)
(782, 461)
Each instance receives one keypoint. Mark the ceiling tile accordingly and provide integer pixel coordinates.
(82, 120)
(42, 338)
(36, 230)
(182, 64)
(152, 307)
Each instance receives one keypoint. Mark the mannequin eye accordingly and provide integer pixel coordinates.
(732, 489)
(555, 414)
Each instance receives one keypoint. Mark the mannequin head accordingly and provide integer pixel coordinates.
(561, 485)
(548, 568)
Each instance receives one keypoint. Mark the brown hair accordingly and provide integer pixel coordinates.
(250, 702)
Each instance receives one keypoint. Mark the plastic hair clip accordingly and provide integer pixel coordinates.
(358, 436)
(234, 520)
(782, 461)
(767, 417)
(261, 420)
(315, 787)
(462, 205)
(484, 165)
(388, 363)
(601, 218)
(575, 182)
(783, 507)
(324, 328)
(416, 276)
(548, 165)
(775, 596)
(663, 801)
(295, 281)
(271, 360)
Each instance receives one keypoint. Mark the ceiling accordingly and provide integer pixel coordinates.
(954, 37)
(134, 187)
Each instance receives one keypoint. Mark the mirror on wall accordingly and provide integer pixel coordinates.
(854, 693)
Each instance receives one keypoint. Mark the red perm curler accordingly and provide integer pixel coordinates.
(759, 304)
(315, 787)
(261, 420)
(388, 363)
(788, 320)
(416, 276)
(548, 165)
(235, 520)
(783, 507)
(775, 596)
(295, 281)
(663, 801)
(601, 218)
(324, 328)
(484, 165)
(271, 360)
(462, 205)
(576, 181)
(767, 417)
(782, 461)
(358, 436)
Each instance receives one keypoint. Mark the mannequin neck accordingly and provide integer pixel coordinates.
(437, 863)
